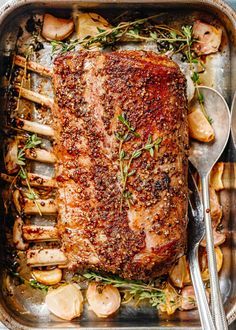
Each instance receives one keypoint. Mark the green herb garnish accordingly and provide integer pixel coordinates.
(125, 160)
(32, 142)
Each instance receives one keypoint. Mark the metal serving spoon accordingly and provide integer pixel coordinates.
(196, 232)
(203, 156)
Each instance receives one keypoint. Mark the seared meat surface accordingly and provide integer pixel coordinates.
(111, 109)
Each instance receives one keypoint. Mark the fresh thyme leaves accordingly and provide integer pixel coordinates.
(126, 160)
(167, 38)
(37, 285)
(118, 282)
(32, 142)
(137, 289)
(64, 47)
(125, 122)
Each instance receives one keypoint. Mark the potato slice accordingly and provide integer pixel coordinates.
(65, 302)
(55, 28)
(103, 300)
(47, 277)
(89, 25)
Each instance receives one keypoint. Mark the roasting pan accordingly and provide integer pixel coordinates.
(22, 310)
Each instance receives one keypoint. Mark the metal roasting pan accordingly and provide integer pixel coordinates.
(26, 310)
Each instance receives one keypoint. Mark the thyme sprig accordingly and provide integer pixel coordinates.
(141, 30)
(137, 289)
(32, 141)
(125, 160)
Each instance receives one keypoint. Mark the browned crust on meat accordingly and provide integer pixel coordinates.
(142, 240)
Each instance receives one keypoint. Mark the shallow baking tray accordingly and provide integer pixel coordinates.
(143, 318)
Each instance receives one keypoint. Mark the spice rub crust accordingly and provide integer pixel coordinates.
(118, 213)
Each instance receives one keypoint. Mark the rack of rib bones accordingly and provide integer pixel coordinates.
(23, 233)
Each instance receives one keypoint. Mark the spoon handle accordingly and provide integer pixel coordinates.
(199, 289)
(218, 313)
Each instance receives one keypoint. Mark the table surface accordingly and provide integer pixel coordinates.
(230, 2)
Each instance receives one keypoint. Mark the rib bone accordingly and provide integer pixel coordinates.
(28, 206)
(47, 206)
(40, 155)
(34, 127)
(35, 97)
(35, 180)
(6, 177)
(40, 233)
(33, 66)
(45, 257)
(40, 181)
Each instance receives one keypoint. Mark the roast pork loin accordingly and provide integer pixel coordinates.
(121, 141)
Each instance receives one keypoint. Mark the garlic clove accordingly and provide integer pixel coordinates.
(55, 28)
(103, 300)
(65, 302)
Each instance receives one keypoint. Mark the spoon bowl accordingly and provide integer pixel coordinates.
(204, 155)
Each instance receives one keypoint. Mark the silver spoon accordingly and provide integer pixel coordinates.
(196, 232)
(203, 156)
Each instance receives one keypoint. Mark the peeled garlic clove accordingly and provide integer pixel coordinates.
(189, 298)
(199, 127)
(65, 302)
(103, 300)
(208, 38)
(47, 277)
(55, 28)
